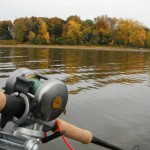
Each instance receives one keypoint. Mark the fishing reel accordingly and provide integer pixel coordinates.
(44, 98)
(33, 102)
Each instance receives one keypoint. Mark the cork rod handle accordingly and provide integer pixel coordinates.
(76, 133)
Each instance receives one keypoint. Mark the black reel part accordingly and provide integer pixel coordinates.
(9, 112)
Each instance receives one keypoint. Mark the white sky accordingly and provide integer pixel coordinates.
(86, 9)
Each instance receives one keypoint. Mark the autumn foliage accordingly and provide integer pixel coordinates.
(102, 30)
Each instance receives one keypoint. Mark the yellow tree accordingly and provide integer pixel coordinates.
(74, 32)
(138, 36)
(75, 18)
(130, 33)
(31, 37)
(43, 35)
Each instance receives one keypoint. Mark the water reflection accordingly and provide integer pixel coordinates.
(107, 88)
(81, 68)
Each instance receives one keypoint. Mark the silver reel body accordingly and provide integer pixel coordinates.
(47, 97)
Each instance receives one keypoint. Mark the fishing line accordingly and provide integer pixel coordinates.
(63, 137)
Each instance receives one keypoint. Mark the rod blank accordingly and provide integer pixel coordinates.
(104, 144)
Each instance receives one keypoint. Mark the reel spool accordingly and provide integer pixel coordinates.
(47, 97)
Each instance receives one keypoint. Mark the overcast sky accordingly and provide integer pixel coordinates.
(86, 9)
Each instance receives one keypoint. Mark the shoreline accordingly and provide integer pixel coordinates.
(74, 47)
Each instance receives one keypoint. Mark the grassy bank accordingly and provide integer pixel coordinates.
(73, 47)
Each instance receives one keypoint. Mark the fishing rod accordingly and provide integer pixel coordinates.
(33, 102)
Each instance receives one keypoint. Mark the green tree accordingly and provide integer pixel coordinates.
(87, 29)
(148, 39)
(20, 30)
(105, 28)
(55, 28)
(5, 29)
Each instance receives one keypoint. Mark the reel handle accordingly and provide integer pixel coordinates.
(10, 106)
(2, 101)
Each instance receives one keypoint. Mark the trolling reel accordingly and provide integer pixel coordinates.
(33, 103)
(44, 98)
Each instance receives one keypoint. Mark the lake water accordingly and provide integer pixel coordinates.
(109, 91)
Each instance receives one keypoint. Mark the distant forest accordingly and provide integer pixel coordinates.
(102, 30)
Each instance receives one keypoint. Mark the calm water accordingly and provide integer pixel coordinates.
(109, 91)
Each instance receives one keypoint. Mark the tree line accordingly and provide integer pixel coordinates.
(102, 30)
